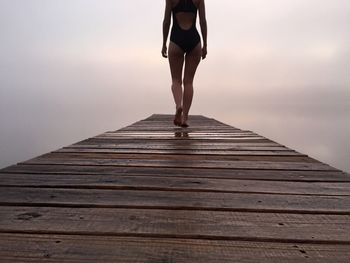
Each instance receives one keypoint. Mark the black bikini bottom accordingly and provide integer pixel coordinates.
(185, 39)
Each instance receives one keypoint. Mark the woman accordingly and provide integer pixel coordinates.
(184, 49)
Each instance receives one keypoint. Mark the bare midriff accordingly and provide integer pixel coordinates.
(185, 20)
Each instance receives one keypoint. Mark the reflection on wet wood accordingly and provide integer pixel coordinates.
(152, 192)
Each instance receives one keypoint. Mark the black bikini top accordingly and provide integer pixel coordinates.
(185, 6)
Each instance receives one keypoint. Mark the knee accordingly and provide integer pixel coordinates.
(177, 82)
(188, 82)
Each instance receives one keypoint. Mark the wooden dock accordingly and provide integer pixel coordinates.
(154, 193)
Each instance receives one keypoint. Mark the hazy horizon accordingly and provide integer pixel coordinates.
(72, 69)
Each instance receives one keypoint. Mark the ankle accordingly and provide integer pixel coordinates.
(184, 118)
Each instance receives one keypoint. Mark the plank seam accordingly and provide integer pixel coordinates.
(202, 237)
(140, 188)
(179, 166)
(178, 176)
(177, 208)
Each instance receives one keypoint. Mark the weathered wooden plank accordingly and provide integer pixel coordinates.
(117, 198)
(155, 137)
(167, 136)
(172, 129)
(187, 131)
(169, 126)
(253, 174)
(184, 137)
(178, 223)
(180, 162)
(194, 124)
(193, 134)
(177, 134)
(193, 118)
(200, 122)
(185, 141)
(202, 144)
(174, 146)
(87, 149)
(181, 158)
(170, 116)
(78, 248)
(168, 120)
(169, 123)
(172, 133)
(181, 184)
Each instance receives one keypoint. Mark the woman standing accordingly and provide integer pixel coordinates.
(185, 49)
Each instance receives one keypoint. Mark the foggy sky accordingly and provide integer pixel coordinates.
(279, 42)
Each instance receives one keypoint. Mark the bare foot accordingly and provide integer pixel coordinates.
(177, 119)
(184, 121)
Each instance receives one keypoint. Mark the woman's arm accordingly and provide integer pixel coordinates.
(203, 24)
(166, 26)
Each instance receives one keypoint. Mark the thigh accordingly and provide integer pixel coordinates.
(191, 63)
(176, 61)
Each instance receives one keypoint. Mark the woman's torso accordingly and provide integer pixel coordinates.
(185, 13)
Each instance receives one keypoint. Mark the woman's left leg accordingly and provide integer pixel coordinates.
(192, 60)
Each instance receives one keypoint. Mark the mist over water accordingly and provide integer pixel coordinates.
(73, 69)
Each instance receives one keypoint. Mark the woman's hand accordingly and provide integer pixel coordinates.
(204, 52)
(164, 51)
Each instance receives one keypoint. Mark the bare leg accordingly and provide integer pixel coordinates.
(191, 63)
(176, 61)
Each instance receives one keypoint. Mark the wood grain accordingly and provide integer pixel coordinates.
(269, 227)
(79, 159)
(78, 248)
(181, 184)
(180, 200)
(252, 174)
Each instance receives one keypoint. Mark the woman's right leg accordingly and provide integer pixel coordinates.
(176, 61)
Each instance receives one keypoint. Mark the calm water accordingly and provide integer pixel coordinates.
(73, 69)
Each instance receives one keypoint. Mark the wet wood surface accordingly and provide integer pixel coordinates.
(153, 192)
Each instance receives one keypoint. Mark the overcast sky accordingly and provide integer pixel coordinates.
(299, 41)
(93, 65)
